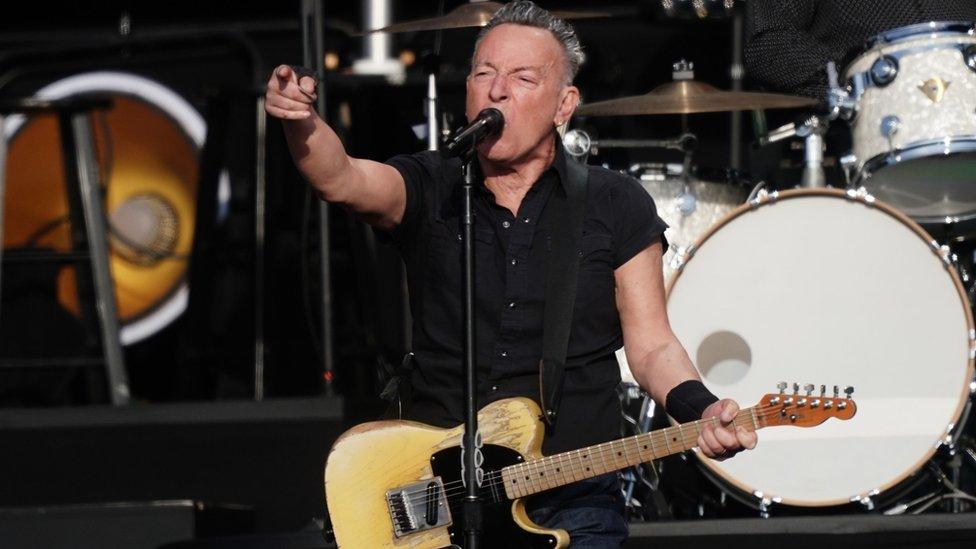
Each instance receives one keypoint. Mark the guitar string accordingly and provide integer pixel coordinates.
(687, 443)
(743, 418)
(452, 497)
(575, 466)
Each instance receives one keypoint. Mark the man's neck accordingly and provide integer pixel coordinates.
(510, 183)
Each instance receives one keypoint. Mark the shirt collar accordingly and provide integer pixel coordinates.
(558, 164)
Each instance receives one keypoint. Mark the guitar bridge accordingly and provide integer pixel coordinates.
(418, 507)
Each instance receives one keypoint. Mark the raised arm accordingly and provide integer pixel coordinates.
(372, 190)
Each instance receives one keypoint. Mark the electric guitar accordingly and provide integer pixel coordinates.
(398, 484)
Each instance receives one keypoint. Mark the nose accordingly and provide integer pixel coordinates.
(499, 89)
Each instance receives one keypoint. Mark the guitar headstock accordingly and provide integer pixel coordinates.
(804, 409)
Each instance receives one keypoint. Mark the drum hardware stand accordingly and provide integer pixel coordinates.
(645, 474)
(812, 131)
(948, 491)
(579, 144)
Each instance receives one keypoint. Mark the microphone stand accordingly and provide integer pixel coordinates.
(471, 442)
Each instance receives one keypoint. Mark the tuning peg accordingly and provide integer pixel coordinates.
(836, 391)
(808, 388)
(849, 391)
(823, 391)
(781, 386)
(796, 388)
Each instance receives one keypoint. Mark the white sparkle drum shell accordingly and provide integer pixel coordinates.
(816, 287)
(914, 136)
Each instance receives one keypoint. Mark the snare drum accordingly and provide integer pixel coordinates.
(828, 287)
(914, 133)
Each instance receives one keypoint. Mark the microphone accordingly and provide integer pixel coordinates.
(489, 122)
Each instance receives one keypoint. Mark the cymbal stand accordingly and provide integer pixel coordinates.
(431, 67)
(812, 131)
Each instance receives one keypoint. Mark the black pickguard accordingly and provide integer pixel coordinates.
(499, 528)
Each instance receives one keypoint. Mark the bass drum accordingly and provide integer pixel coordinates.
(828, 287)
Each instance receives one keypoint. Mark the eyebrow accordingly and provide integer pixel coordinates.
(537, 68)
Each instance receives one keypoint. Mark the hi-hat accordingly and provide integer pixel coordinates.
(475, 14)
(690, 96)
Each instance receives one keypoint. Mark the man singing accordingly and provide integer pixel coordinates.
(523, 65)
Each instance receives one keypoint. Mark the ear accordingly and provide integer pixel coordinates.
(568, 100)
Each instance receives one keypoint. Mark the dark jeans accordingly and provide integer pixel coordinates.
(592, 511)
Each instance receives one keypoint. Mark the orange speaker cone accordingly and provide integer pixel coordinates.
(149, 166)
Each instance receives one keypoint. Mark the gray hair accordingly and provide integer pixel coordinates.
(524, 12)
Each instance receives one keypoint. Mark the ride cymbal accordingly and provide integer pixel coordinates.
(690, 96)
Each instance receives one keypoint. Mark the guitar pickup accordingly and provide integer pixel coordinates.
(418, 507)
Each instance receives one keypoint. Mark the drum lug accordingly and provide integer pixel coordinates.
(765, 502)
(884, 70)
(860, 194)
(969, 56)
(949, 440)
(972, 355)
(866, 500)
(762, 197)
(948, 258)
(681, 256)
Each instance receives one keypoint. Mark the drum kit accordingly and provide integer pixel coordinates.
(841, 284)
(844, 284)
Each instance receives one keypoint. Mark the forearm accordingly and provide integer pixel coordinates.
(319, 156)
(663, 368)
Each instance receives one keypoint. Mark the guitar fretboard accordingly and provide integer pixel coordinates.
(525, 479)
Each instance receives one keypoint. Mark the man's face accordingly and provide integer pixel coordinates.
(520, 71)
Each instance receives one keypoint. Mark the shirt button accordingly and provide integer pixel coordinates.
(511, 305)
(506, 224)
(514, 262)
(504, 354)
(525, 220)
(494, 387)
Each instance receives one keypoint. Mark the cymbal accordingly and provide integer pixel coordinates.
(690, 96)
(475, 14)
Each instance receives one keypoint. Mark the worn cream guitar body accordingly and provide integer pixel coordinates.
(397, 484)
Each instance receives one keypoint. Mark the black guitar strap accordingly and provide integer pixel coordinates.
(562, 268)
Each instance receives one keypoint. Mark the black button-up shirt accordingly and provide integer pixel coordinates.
(619, 221)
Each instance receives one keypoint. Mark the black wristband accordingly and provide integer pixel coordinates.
(688, 400)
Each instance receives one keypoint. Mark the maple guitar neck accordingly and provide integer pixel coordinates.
(531, 477)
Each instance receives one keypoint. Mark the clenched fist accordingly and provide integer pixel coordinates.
(290, 95)
(723, 439)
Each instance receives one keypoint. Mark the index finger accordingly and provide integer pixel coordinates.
(283, 71)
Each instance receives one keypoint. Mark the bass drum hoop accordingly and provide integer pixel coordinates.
(906, 480)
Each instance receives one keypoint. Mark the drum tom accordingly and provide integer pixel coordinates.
(828, 287)
(914, 133)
